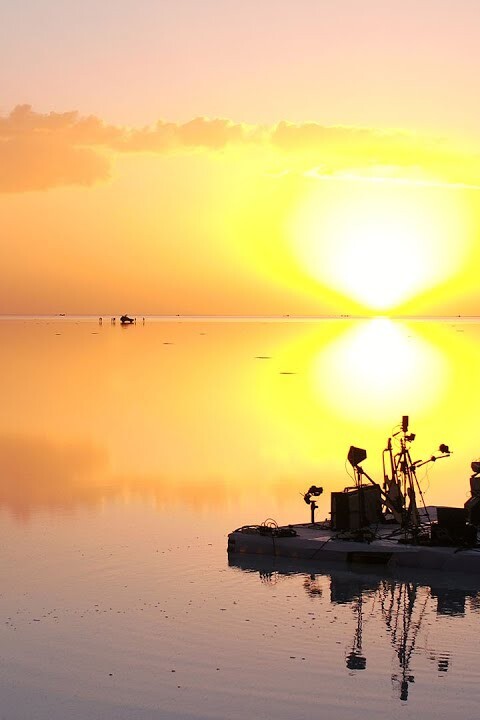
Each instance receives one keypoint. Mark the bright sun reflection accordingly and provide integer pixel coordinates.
(380, 248)
(379, 369)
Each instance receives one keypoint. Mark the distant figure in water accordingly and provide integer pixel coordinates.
(125, 320)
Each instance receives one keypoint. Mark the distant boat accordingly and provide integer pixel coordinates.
(126, 320)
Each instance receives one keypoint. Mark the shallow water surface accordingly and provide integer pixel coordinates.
(127, 455)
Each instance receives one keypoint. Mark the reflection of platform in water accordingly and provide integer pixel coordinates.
(350, 581)
(402, 605)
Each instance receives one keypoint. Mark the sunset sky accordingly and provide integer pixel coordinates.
(216, 157)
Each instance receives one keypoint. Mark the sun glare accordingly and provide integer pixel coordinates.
(378, 369)
(381, 248)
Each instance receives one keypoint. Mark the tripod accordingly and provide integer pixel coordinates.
(405, 477)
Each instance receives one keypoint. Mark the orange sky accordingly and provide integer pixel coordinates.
(180, 157)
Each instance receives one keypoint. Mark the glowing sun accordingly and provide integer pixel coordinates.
(379, 248)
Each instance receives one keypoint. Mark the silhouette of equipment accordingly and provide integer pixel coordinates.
(452, 528)
(472, 506)
(356, 456)
(359, 506)
(401, 484)
(316, 492)
(366, 504)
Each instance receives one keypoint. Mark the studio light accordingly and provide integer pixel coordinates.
(356, 455)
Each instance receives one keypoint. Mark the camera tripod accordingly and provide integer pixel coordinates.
(403, 486)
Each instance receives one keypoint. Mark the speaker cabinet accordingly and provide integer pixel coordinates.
(451, 518)
(472, 507)
(356, 507)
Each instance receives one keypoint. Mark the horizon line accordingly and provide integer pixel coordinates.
(239, 317)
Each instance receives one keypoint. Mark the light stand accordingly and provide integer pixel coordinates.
(404, 478)
(355, 457)
(404, 472)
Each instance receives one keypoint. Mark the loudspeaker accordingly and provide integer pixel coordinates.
(340, 507)
(472, 508)
(356, 508)
(464, 536)
(356, 455)
(451, 518)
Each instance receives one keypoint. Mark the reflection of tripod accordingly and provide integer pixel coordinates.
(397, 604)
(355, 659)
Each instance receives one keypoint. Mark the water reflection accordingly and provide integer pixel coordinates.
(400, 611)
(40, 473)
(217, 415)
(376, 367)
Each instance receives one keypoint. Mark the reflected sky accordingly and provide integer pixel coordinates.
(214, 415)
(128, 454)
(381, 612)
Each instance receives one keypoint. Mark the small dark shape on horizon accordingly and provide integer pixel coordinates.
(263, 357)
(126, 320)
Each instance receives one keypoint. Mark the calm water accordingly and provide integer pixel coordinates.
(126, 456)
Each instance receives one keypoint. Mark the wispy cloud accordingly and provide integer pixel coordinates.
(40, 151)
(387, 175)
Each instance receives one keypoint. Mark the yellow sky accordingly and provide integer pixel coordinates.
(306, 158)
